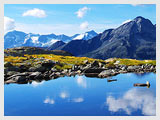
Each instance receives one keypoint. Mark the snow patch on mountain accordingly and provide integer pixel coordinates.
(86, 36)
(35, 39)
(50, 42)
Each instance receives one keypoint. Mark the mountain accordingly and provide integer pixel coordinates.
(85, 36)
(18, 38)
(56, 45)
(14, 38)
(135, 39)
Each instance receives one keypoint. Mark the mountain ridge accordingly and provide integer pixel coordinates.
(135, 39)
(18, 38)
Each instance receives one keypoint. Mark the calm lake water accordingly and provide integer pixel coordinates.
(82, 96)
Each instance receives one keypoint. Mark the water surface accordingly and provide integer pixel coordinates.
(82, 96)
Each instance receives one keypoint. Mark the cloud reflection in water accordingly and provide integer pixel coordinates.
(78, 100)
(81, 81)
(132, 100)
(35, 83)
(48, 100)
(64, 95)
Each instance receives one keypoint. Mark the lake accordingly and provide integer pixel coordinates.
(83, 96)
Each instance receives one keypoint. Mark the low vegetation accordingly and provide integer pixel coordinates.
(68, 61)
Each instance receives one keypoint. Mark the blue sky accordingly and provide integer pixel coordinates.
(70, 19)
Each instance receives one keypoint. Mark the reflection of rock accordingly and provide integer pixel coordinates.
(112, 80)
(143, 84)
(132, 100)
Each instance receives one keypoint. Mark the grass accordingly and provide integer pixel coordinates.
(68, 61)
(130, 62)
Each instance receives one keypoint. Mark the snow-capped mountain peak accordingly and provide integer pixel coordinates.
(18, 38)
(86, 36)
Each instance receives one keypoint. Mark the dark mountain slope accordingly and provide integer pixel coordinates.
(136, 39)
(80, 47)
(56, 45)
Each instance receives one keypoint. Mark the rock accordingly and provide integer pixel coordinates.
(107, 73)
(17, 79)
(23, 68)
(133, 68)
(35, 73)
(79, 71)
(86, 62)
(65, 71)
(93, 70)
(95, 64)
(91, 74)
(36, 76)
(86, 67)
(117, 62)
(54, 70)
(124, 67)
(25, 74)
(9, 81)
(12, 68)
(48, 63)
(38, 68)
(46, 75)
(54, 76)
(7, 64)
(75, 68)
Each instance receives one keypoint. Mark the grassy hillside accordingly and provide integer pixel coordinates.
(68, 61)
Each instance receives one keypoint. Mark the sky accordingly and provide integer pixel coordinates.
(70, 19)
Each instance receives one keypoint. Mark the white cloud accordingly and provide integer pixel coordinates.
(49, 101)
(82, 11)
(67, 29)
(134, 99)
(126, 21)
(64, 95)
(9, 24)
(78, 100)
(35, 13)
(84, 25)
(135, 5)
(81, 81)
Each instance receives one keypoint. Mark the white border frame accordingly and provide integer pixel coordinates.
(157, 2)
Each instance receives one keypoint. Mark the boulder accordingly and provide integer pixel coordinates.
(17, 79)
(48, 63)
(133, 68)
(93, 70)
(38, 68)
(7, 64)
(86, 62)
(12, 68)
(95, 64)
(107, 73)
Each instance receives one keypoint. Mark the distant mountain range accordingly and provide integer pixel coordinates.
(18, 38)
(135, 39)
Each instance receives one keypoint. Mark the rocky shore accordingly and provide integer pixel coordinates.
(45, 70)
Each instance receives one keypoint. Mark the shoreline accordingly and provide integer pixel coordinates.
(94, 69)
